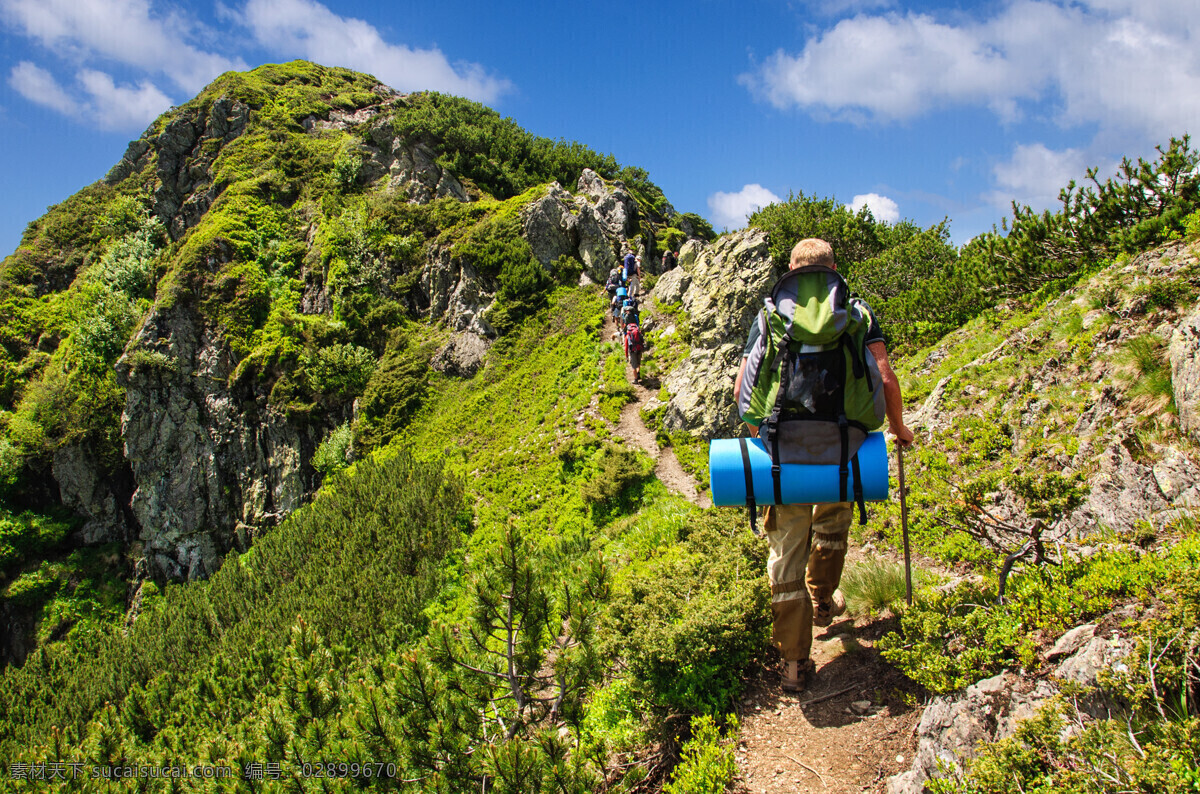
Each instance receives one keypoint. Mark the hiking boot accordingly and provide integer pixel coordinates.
(797, 674)
(826, 609)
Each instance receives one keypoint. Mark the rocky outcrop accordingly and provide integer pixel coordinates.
(592, 227)
(454, 290)
(726, 282)
(184, 154)
(213, 466)
(549, 226)
(953, 726)
(462, 356)
(409, 167)
(1185, 372)
(611, 204)
(701, 390)
(101, 498)
(671, 286)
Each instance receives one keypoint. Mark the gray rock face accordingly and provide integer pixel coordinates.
(212, 467)
(411, 168)
(185, 190)
(728, 282)
(702, 392)
(455, 291)
(90, 494)
(1123, 492)
(671, 286)
(463, 355)
(596, 251)
(953, 726)
(725, 286)
(1185, 372)
(609, 208)
(1071, 642)
(549, 226)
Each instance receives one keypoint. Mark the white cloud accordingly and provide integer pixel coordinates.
(95, 98)
(882, 207)
(1035, 174)
(308, 29)
(730, 210)
(122, 107)
(128, 32)
(1117, 64)
(39, 86)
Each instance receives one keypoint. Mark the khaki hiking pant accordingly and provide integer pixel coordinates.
(798, 574)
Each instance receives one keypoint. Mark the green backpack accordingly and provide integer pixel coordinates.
(810, 385)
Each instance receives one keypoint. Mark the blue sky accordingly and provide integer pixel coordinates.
(922, 110)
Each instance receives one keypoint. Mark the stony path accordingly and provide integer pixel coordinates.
(851, 730)
(666, 466)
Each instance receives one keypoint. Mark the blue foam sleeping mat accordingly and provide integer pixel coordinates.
(799, 484)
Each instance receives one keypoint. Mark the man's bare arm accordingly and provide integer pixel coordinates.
(893, 399)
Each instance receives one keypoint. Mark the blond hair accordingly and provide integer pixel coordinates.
(812, 251)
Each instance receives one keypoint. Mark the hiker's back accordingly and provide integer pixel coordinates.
(811, 384)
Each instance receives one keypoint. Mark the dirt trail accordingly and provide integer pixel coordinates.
(666, 466)
(852, 729)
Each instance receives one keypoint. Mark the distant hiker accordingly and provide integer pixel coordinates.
(617, 301)
(668, 261)
(635, 343)
(614, 281)
(629, 311)
(804, 586)
(631, 269)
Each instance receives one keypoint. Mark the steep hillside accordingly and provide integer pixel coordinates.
(316, 447)
(273, 266)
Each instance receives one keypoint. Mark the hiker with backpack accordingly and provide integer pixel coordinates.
(614, 281)
(616, 303)
(813, 381)
(635, 343)
(629, 312)
(631, 269)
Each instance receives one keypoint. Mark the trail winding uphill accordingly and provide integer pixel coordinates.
(666, 466)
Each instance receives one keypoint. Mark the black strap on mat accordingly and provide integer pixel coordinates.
(858, 490)
(750, 505)
(843, 471)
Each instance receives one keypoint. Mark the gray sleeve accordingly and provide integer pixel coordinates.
(754, 334)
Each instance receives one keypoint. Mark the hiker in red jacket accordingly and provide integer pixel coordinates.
(634, 345)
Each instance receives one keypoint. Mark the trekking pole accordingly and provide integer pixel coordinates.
(904, 525)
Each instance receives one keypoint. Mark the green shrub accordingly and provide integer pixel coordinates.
(392, 396)
(690, 620)
(340, 371)
(951, 639)
(346, 169)
(617, 390)
(359, 565)
(873, 586)
(1147, 354)
(708, 765)
(334, 453)
(499, 157)
(618, 469)
(1165, 293)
